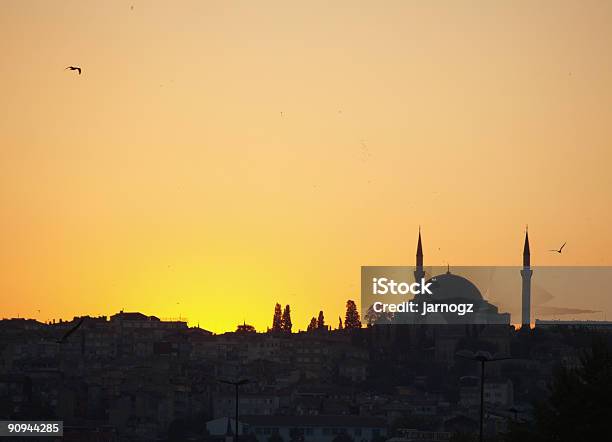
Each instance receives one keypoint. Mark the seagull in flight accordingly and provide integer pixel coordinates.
(560, 250)
(74, 68)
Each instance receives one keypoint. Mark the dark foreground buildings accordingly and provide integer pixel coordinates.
(134, 377)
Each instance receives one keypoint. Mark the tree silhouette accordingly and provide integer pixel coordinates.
(313, 324)
(339, 323)
(286, 320)
(351, 320)
(277, 319)
(321, 320)
(579, 406)
(372, 317)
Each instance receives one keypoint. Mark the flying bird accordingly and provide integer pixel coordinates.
(71, 331)
(560, 250)
(74, 68)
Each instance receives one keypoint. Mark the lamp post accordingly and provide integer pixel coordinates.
(236, 384)
(483, 357)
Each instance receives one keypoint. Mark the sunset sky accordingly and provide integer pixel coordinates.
(165, 179)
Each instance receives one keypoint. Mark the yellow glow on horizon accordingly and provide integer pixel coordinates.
(166, 174)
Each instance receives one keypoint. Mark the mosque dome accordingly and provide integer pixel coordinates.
(448, 287)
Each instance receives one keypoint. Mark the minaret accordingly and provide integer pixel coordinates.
(526, 275)
(418, 271)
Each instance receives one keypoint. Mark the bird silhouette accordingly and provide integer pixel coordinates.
(74, 68)
(71, 331)
(560, 249)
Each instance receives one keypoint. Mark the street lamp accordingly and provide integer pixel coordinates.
(483, 357)
(236, 384)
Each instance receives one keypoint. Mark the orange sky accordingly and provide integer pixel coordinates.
(166, 174)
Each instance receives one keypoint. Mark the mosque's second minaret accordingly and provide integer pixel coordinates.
(526, 273)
